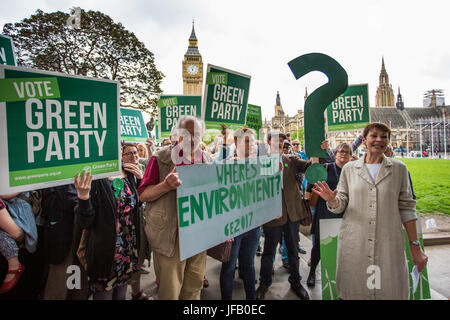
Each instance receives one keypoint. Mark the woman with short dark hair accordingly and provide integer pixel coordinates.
(375, 196)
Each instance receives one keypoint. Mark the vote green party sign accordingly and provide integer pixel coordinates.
(132, 126)
(172, 107)
(219, 201)
(349, 111)
(53, 126)
(254, 118)
(225, 98)
(7, 55)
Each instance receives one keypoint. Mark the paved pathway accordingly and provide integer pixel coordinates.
(438, 270)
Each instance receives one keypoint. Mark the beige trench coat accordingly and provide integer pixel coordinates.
(371, 230)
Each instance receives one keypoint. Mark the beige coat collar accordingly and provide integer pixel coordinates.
(385, 170)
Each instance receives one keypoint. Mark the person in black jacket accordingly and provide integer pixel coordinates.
(61, 237)
(342, 156)
(108, 210)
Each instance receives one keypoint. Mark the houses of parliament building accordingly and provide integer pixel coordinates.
(413, 128)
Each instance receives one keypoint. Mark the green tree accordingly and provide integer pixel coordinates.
(100, 48)
(301, 136)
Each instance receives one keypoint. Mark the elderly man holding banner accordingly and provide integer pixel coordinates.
(177, 279)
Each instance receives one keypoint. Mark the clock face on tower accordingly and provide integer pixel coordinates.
(192, 69)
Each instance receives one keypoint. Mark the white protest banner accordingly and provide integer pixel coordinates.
(219, 201)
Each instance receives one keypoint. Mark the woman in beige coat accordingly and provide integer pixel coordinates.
(375, 195)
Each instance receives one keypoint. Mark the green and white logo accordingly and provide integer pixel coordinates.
(226, 98)
(349, 111)
(53, 126)
(132, 126)
(172, 107)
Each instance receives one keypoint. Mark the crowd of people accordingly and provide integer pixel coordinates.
(114, 228)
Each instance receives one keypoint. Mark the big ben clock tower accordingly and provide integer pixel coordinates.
(192, 67)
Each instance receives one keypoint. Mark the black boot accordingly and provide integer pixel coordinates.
(300, 291)
(311, 282)
(261, 292)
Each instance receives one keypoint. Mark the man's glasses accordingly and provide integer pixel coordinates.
(295, 144)
(129, 154)
(344, 152)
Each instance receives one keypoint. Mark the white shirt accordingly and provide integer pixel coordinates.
(373, 170)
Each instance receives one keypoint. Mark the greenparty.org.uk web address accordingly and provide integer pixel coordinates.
(37, 176)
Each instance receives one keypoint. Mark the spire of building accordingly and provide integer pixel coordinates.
(384, 78)
(278, 100)
(306, 94)
(193, 43)
(193, 36)
(385, 95)
(400, 105)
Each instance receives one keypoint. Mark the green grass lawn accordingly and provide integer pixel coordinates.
(431, 183)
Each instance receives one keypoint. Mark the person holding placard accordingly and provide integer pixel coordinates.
(375, 196)
(107, 210)
(293, 213)
(244, 245)
(343, 155)
(177, 279)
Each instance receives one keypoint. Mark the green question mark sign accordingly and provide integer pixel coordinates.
(317, 103)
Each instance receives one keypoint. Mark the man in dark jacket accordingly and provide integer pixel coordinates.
(293, 214)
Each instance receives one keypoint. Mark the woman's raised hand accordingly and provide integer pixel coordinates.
(83, 185)
(134, 169)
(324, 191)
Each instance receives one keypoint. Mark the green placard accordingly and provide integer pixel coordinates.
(423, 287)
(349, 111)
(132, 126)
(48, 140)
(172, 107)
(7, 56)
(226, 98)
(254, 118)
(329, 231)
(315, 173)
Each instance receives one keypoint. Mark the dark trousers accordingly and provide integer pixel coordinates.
(118, 293)
(271, 240)
(244, 247)
(315, 253)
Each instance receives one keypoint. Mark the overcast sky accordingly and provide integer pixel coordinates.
(259, 38)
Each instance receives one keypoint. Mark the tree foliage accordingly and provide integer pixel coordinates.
(301, 136)
(100, 48)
